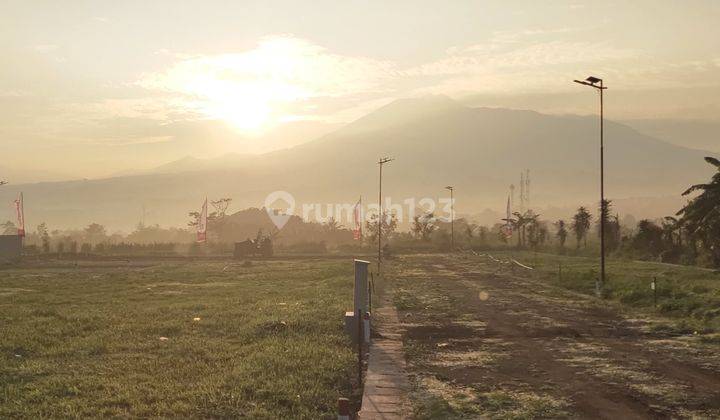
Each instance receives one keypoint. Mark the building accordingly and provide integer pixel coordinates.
(10, 247)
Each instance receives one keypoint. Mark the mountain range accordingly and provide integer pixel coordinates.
(435, 142)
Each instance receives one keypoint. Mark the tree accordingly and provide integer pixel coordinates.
(605, 206)
(672, 229)
(423, 226)
(518, 223)
(332, 225)
(701, 216)
(469, 231)
(221, 206)
(612, 225)
(561, 233)
(649, 239)
(215, 219)
(482, 234)
(581, 225)
(42, 232)
(536, 231)
(95, 233)
(500, 232)
(389, 224)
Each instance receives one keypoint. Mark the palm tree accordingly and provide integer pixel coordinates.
(332, 225)
(520, 224)
(537, 231)
(670, 226)
(561, 233)
(581, 225)
(701, 215)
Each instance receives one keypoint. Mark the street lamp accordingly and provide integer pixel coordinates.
(452, 218)
(381, 215)
(597, 83)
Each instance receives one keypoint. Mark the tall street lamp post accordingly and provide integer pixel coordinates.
(452, 218)
(381, 215)
(597, 83)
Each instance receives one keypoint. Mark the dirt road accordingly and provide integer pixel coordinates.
(483, 340)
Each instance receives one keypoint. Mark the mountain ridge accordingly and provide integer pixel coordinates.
(435, 142)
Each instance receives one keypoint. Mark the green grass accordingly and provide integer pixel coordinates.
(86, 342)
(689, 295)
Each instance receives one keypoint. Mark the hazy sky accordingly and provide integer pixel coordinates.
(90, 88)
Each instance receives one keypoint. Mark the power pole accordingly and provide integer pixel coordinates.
(381, 215)
(452, 218)
(527, 188)
(522, 191)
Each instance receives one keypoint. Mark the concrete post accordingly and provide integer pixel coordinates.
(361, 307)
(361, 288)
(366, 327)
(343, 409)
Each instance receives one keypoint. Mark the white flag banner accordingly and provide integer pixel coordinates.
(20, 211)
(202, 223)
(357, 218)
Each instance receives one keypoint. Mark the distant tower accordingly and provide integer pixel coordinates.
(527, 188)
(512, 196)
(522, 192)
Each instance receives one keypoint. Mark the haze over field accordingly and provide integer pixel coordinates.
(125, 105)
(315, 209)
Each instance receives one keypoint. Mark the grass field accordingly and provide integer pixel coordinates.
(689, 295)
(195, 339)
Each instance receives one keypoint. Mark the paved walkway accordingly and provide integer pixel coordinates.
(386, 381)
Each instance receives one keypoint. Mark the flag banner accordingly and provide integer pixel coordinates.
(202, 223)
(19, 209)
(357, 217)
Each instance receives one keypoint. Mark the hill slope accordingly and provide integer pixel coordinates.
(435, 141)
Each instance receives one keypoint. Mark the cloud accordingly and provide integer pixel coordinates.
(44, 48)
(285, 78)
(518, 62)
(262, 84)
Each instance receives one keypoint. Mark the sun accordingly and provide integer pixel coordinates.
(249, 106)
(248, 114)
(253, 90)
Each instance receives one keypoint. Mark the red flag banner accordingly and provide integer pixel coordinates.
(19, 209)
(357, 217)
(202, 223)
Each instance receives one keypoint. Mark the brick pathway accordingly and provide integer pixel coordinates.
(386, 381)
